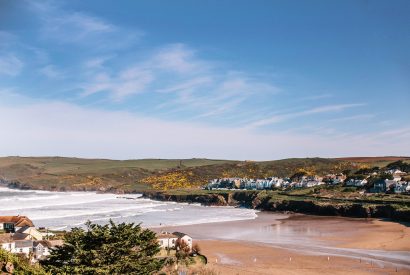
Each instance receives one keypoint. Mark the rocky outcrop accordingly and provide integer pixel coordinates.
(211, 199)
(262, 201)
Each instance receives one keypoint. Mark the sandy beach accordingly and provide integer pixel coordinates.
(300, 244)
(250, 258)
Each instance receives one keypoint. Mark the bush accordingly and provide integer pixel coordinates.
(20, 264)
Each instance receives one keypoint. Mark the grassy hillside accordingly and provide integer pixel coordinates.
(58, 173)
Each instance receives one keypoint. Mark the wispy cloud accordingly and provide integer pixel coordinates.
(316, 97)
(128, 82)
(189, 83)
(10, 65)
(312, 111)
(51, 71)
(83, 133)
(352, 118)
(74, 27)
(178, 58)
(97, 62)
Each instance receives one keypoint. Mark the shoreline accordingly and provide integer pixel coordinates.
(250, 200)
(319, 236)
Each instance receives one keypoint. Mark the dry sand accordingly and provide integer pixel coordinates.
(301, 244)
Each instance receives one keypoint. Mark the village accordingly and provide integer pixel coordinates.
(370, 180)
(18, 235)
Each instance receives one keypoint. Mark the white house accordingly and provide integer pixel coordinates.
(357, 183)
(397, 176)
(23, 247)
(400, 187)
(6, 242)
(167, 240)
(41, 249)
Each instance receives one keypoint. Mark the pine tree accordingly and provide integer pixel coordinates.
(106, 249)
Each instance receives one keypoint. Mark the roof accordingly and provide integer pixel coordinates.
(43, 243)
(179, 234)
(27, 230)
(18, 221)
(6, 238)
(166, 236)
(21, 244)
(20, 236)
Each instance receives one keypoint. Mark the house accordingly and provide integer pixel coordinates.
(379, 187)
(394, 171)
(185, 238)
(167, 240)
(400, 187)
(23, 247)
(41, 249)
(311, 183)
(12, 223)
(356, 182)
(28, 233)
(397, 176)
(6, 242)
(390, 184)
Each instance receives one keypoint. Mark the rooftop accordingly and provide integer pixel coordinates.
(18, 221)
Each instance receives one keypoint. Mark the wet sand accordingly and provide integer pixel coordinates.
(250, 258)
(301, 244)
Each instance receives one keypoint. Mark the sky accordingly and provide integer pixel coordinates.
(248, 80)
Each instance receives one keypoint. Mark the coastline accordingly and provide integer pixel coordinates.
(277, 203)
(269, 241)
(258, 200)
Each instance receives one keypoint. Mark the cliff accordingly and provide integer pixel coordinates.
(266, 202)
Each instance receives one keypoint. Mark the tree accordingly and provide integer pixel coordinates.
(347, 172)
(196, 248)
(106, 249)
(405, 167)
(298, 176)
(183, 251)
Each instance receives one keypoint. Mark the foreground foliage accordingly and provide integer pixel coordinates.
(20, 264)
(106, 249)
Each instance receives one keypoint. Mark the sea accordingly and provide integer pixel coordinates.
(65, 210)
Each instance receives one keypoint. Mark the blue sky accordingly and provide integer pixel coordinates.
(217, 79)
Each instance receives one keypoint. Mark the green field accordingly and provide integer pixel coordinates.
(59, 173)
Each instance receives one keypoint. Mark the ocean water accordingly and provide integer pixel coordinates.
(64, 210)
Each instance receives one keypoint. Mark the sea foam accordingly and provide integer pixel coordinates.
(64, 210)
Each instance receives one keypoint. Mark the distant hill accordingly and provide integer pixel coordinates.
(59, 173)
(373, 159)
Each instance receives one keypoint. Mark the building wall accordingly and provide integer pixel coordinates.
(167, 242)
(24, 250)
(8, 246)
